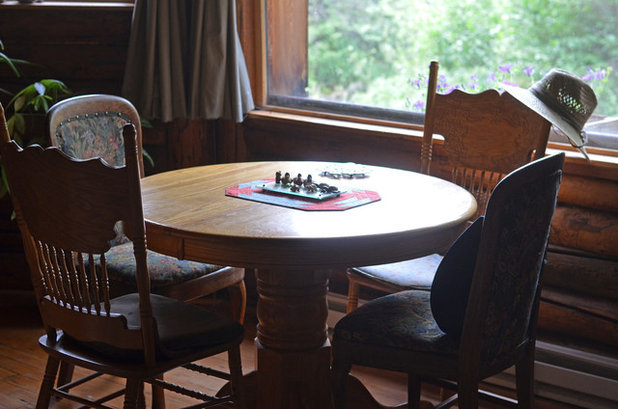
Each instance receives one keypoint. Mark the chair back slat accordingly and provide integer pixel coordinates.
(480, 183)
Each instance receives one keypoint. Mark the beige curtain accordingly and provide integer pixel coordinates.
(185, 61)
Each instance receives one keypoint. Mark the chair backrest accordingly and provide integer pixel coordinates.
(486, 136)
(90, 126)
(66, 211)
(500, 318)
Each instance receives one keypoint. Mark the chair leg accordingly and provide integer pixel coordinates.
(133, 391)
(353, 289)
(524, 373)
(339, 377)
(414, 391)
(66, 374)
(467, 394)
(238, 389)
(158, 395)
(51, 369)
(238, 301)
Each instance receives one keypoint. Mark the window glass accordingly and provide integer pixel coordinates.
(375, 53)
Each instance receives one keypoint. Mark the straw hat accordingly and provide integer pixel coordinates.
(563, 99)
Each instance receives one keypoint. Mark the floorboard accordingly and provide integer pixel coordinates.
(22, 364)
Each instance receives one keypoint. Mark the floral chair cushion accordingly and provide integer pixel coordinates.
(164, 270)
(402, 320)
(90, 135)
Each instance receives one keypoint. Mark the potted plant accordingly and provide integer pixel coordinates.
(26, 110)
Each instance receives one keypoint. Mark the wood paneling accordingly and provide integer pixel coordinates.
(273, 138)
(85, 48)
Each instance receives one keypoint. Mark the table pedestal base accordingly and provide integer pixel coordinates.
(293, 379)
(293, 350)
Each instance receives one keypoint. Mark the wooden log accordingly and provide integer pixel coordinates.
(591, 193)
(597, 306)
(594, 277)
(563, 320)
(594, 231)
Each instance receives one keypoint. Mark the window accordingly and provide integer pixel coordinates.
(370, 58)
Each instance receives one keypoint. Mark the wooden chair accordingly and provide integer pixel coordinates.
(480, 316)
(89, 126)
(485, 136)
(66, 211)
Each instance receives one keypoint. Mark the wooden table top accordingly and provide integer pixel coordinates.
(188, 216)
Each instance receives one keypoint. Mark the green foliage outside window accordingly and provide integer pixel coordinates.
(377, 52)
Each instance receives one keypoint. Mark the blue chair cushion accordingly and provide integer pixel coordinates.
(401, 320)
(181, 328)
(451, 284)
(164, 270)
(414, 274)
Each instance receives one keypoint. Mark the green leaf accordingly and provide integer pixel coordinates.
(4, 182)
(16, 125)
(40, 88)
(20, 102)
(145, 123)
(4, 188)
(6, 91)
(3, 57)
(148, 158)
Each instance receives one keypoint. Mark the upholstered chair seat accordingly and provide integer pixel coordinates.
(402, 320)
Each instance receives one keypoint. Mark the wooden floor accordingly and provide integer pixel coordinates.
(22, 364)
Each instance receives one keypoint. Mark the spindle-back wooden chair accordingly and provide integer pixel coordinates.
(473, 140)
(66, 211)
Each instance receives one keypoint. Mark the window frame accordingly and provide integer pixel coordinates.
(283, 19)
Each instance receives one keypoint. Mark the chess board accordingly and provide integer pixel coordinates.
(342, 200)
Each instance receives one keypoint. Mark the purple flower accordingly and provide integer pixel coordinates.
(450, 89)
(419, 105)
(588, 77)
(594, 75)
(512, 84)
(492, 77)
(528, 71)
(505, 68)
(416, 83)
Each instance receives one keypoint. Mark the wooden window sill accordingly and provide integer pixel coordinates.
(603, 164)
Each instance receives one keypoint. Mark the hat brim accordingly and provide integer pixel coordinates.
(531, 101)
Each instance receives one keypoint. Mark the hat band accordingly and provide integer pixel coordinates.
(555, 106)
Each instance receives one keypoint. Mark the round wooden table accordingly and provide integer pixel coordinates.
(189, 216)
